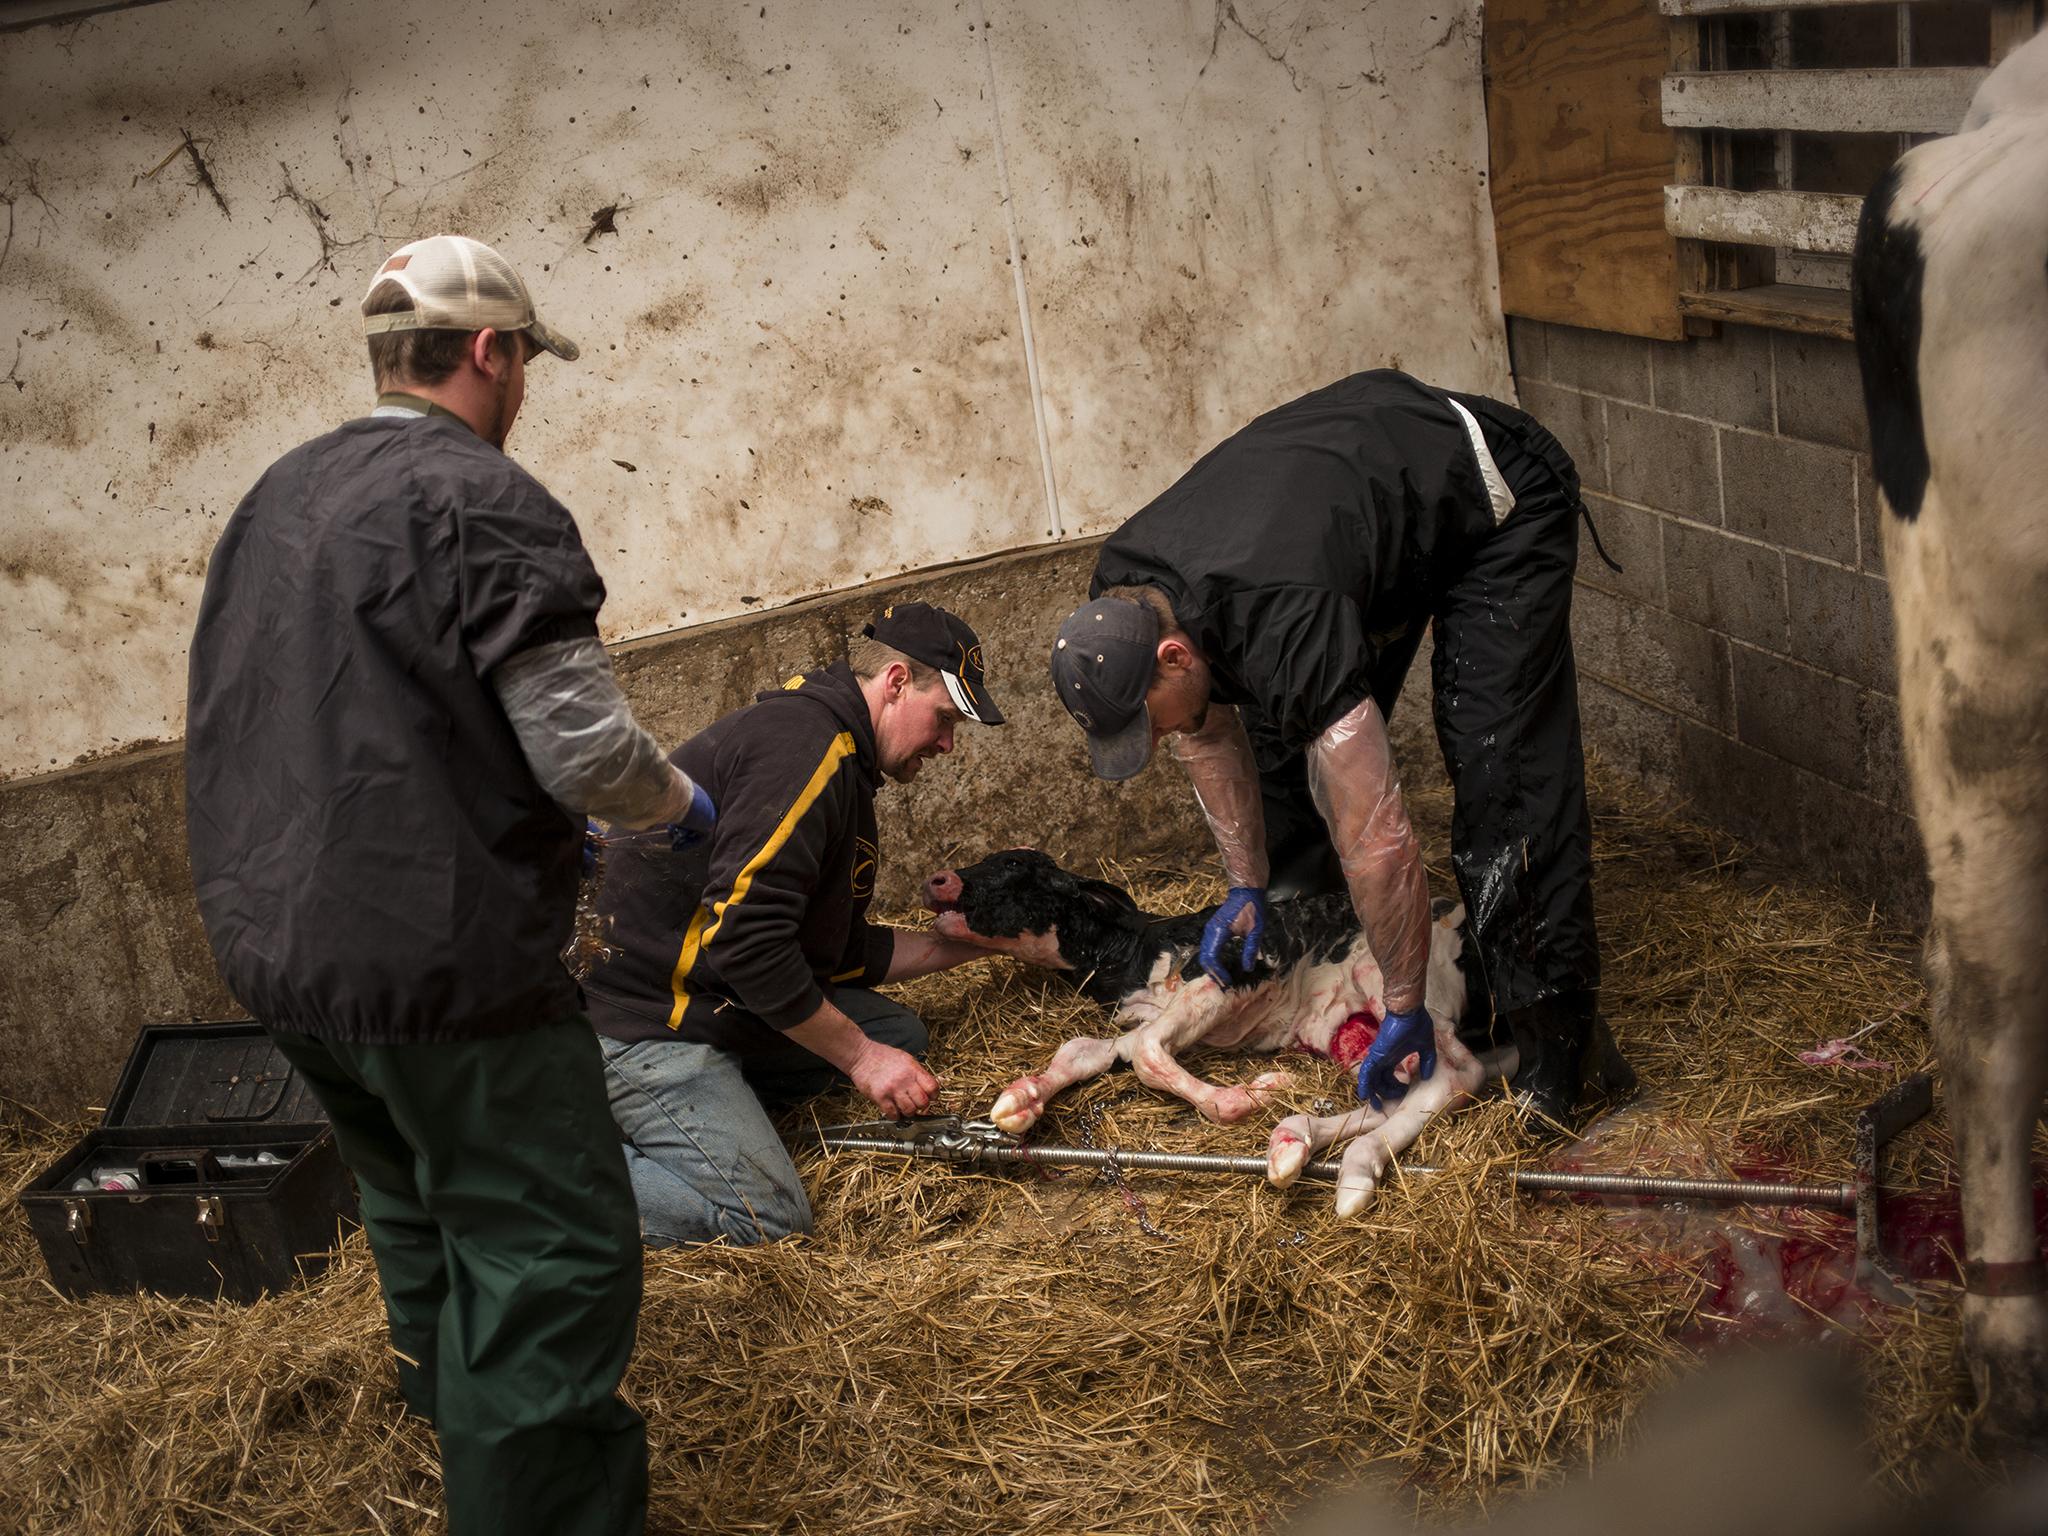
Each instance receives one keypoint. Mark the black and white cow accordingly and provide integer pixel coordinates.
(1316, 988)
(1950, 292)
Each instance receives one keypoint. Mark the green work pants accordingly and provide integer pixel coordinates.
(495, 1197)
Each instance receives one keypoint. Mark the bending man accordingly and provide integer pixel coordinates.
(1262, 614)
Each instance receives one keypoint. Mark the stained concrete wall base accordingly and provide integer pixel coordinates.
(97, 911)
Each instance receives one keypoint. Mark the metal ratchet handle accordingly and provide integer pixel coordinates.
(914, 1130)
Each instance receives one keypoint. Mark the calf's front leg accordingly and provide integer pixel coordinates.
(1195, 1010)
(1018, 1107)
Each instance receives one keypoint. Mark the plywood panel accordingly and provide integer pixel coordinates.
(1580, 158)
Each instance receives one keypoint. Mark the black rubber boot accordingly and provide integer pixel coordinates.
(1551, 1036)
(1607, 1072)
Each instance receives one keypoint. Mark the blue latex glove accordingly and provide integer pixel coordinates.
(1399, 1034)
(697, 821)
(593, 838)
(1217, 933)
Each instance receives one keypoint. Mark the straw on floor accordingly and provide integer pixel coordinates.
(955, 1350)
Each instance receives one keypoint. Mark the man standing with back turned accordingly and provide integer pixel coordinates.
(399, 714)
(1262, 612)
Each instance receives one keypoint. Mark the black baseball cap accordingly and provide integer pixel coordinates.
(929, 634)
(1102, 663)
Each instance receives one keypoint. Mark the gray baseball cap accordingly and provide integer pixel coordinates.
(459, 284)
(1102, 663)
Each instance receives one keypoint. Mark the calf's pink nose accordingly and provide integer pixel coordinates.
(944, 886)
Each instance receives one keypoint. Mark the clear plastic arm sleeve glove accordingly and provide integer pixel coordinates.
(1218, 759)
(580, 738)
(1351, 778)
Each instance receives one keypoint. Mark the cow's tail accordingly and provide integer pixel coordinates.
(1884, 300)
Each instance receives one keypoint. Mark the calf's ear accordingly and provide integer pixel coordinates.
(1111, 900)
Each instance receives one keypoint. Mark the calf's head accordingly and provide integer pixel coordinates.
(1021, 903)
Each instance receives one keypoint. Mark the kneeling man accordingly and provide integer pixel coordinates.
(742, 981)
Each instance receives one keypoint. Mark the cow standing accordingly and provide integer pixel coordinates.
(1951, 312)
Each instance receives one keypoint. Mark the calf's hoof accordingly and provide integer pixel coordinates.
(1354, 1195)
(1017, 1108)
(1232, 1104)
(1286, 1155)
(2005, 1343)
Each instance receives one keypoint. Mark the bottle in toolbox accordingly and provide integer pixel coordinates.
(214, 1173)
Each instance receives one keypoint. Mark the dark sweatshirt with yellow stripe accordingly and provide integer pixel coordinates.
(725, 946)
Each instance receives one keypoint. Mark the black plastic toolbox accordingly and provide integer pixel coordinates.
(214, 1173)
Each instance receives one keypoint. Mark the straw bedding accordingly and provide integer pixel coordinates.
(963, 1351)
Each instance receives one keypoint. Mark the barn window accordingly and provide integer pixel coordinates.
(1783, 118)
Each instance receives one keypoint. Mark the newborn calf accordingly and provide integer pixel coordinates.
(1315, 988)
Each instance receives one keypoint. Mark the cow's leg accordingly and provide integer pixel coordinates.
(1458, 1076)
(1018, 1107)
(1195, 1010)
(1218, 1103)
(1976, 732)
(1991, 1034)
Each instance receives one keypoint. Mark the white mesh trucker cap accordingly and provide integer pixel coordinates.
(460, 284)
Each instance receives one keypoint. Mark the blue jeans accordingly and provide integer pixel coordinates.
(703, 1155)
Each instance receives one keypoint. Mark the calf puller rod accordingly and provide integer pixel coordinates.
(952, 1141)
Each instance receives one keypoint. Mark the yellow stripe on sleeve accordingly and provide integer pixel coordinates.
(704, 926)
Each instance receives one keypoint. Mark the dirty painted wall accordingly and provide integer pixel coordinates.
(778, 230)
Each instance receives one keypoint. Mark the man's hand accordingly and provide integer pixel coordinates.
(1400, 1035)
(1228, 921)
(894, 1081)
(699, 819)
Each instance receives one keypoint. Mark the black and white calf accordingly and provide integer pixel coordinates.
(1950, 294)
(1316, 988)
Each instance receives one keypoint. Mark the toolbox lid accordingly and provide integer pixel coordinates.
(210, 1074)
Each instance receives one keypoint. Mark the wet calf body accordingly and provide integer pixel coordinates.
(1316, 988)
(1951, 307)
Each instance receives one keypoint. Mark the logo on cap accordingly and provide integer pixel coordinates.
(942, 641)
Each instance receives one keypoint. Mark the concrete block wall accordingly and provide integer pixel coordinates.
(1742, 657)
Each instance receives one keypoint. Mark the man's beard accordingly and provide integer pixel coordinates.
(500, 428)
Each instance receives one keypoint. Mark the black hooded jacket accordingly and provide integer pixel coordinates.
(714, 946)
